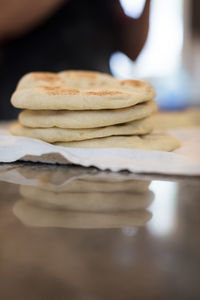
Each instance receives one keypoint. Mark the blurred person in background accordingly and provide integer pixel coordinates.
(55, 35)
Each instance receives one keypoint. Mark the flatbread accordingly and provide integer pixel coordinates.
(54, 134)
(85, 119)
(188, 118)
(77, 92)
(32, 215)
(154, 141)
(87, 201)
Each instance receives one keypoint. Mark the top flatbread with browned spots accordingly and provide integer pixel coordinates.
(79, 90)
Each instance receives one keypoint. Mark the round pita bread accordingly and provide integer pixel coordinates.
(79, 92)
(85, 119)
(54, 134)
(154, 141)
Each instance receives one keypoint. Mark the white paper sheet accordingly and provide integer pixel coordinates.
(183, 161)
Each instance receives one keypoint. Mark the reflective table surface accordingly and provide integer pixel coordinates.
(75, 233)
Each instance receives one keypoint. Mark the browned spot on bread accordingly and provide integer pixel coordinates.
(51, 77)
(82, 74)
(60, 91)
(104, 93)
(133, 83)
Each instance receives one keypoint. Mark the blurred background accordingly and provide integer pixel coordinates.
(170, 58)
(158, 41)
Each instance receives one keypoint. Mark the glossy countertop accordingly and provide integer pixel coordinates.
(68, 232)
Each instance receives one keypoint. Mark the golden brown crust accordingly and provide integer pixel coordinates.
(133, 83)
(49, 77)
(104, 93)
(83, 74)
(60, 91)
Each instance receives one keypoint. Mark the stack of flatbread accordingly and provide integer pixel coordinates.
(88, 109)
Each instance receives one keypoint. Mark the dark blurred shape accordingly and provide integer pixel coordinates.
(195, 19)
(80, 35)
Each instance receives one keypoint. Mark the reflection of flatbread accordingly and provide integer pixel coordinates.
(85, 119)
(78, 179)
(88, 185)
(87, 201)
(79, 90)
(163, 142)
(31, 215)
(103, 176)
(54, 134)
